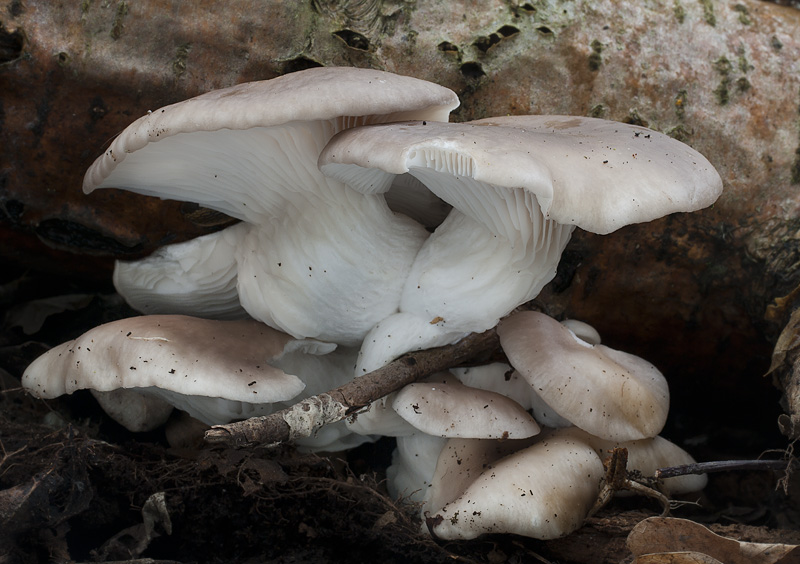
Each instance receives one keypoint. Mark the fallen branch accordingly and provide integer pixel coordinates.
(721, 466)
(306, 416)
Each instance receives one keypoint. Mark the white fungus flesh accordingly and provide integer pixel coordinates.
(176, 278)
(317, 259)
(413, 465)
(518, 185)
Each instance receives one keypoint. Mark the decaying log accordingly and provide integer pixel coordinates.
(688, 292)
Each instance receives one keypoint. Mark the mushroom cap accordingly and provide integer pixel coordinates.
(461, 461)
(608, 393)
(185, 355)
(451, 409)
(543, 491)
(583, 331)
(596, 174)
(148, 157)
(645, 456)
(497, 377)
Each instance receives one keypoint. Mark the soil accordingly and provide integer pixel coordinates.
(77, 487)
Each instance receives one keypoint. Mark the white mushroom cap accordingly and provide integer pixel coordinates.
(442, 406)
(225, 365)
(498, 377)
(380, 418)
(331, 261)
(596, 174)
(459, 464)
(177, 278)
(608, 393)
(451, 409)
(226, 359)
(518, 186)
(398, 334)
(583, 331)
(543, 491)
(167, 153)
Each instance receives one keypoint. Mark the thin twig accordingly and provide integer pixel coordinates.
(305, 417)
(721, 466)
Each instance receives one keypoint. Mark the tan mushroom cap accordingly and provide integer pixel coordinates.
(608, 393)
(596, 174)
(543, 491)
(645, 456)
(461, 461)
(185, 355)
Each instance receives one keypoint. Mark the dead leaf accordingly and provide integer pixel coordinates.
(676, 558)
(785, 370)
(31, 316)
(664, 535)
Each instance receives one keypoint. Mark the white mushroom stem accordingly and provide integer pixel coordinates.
(413, 465)
(328, 271)
(135, 411)
(464, 278)
(473, 271)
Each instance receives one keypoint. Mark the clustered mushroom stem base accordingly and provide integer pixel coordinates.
(303, 418)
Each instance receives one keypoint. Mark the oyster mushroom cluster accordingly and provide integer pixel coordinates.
(369, 227)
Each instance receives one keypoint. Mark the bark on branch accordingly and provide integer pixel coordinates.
(306, 416)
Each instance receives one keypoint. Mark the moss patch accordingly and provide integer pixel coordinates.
(117, 26)
(708, 12)
(679, 11)
(596, 57)
(181, 57)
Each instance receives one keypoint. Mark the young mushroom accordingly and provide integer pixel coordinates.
(519, 185)
(439, 408)
(451, 409)
(315, 258)
(543, 491)
(608, 393)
